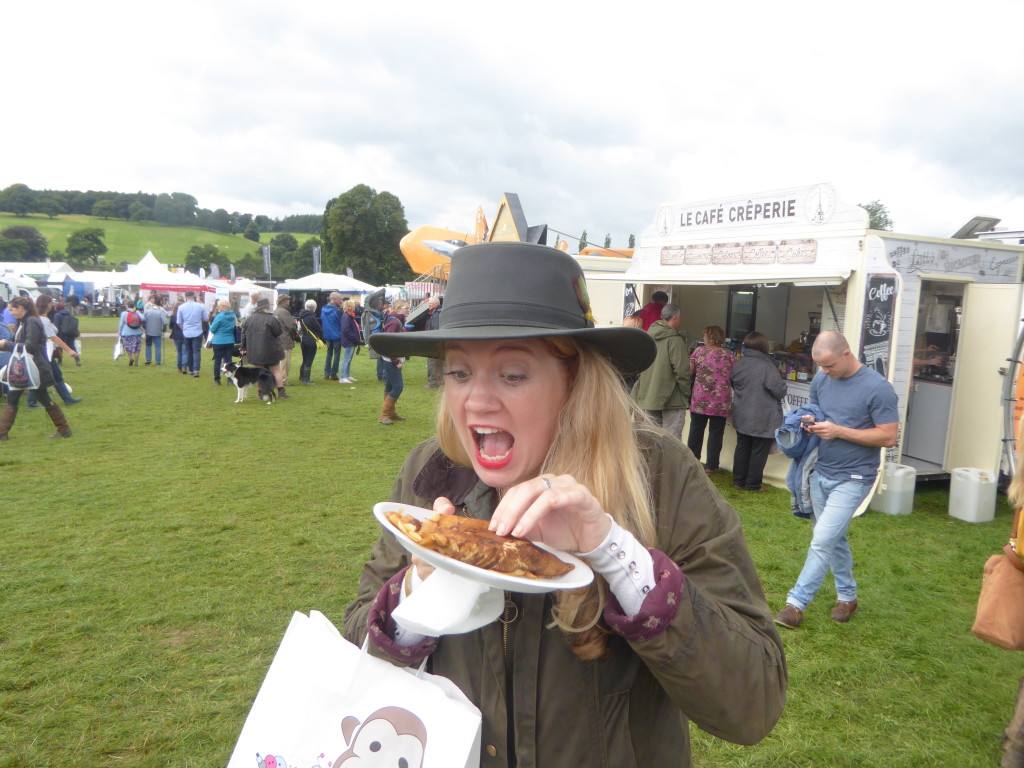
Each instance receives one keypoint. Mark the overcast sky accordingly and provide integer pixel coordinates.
(593, 117)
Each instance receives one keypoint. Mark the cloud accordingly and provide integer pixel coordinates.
(594, 120)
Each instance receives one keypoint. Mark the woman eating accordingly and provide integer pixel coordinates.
(536, 434)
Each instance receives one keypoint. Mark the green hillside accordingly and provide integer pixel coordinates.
(129, 241)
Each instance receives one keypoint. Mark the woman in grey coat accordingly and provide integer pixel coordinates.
(757, 392)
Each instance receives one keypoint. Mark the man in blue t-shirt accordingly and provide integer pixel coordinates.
(860, 416)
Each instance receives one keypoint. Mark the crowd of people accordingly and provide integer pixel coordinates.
(712, 385)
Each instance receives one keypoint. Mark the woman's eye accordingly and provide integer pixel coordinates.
(514, 378)
(457, 375)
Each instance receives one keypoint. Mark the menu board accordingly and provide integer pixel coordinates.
(879, 310)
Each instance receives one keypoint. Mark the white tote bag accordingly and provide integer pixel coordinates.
(118, 348)
(324, 702)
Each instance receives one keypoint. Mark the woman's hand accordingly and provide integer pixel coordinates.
(444, 507)
(557, 511)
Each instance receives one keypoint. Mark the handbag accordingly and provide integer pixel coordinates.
(326, 702)
(118, 348)
(21, 371)
(320, 343)
(1000, 616)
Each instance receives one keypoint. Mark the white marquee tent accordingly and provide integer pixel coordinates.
(322, 282)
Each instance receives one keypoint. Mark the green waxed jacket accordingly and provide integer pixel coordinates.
(665, 386)
(718, 663)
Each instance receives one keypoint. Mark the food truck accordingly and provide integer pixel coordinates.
(938, 317)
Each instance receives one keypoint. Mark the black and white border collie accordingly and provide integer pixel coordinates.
(244, 377)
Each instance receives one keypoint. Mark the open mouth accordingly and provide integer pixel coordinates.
(493, 447)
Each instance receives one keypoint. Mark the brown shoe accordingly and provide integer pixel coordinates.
(789, 617)
(843, 611)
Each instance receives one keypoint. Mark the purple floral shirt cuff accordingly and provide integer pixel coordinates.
(381, 626)
(659, 606)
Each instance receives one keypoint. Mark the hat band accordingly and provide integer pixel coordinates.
(527, 315)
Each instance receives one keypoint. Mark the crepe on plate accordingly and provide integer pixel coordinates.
(467, 540)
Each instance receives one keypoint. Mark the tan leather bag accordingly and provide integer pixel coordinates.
(1000, 616)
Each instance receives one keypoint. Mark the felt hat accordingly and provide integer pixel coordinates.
(514, 290)
(263, 303)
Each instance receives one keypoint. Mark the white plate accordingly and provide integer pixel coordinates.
(579, 576)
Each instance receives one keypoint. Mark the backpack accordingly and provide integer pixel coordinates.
(133, 320)
(68, 327)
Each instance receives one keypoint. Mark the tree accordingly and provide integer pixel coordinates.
(285, 242)
(35, 244)
(202, 256)
(18, 199)
(583, 241)
(252, 232)
(607, 241)
(878, 215)
(50, 205)
(104, 209)
(632, 241)
(361, 232)
(139, 211)
(85, 246)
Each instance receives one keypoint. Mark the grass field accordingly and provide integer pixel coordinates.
(129, 241)
(151, 564)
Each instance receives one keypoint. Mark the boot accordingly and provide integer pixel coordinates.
(304, 376)
(62, 390)
(1013, 737)
(389, 402)
(7, 416)
(281, 394)
(57, 417)
(385, 413)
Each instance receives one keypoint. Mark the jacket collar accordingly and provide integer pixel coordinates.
(442, 477)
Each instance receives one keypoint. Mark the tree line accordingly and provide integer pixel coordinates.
(176, 209)
(361, 230)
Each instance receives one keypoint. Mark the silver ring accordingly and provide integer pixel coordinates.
(546, 482)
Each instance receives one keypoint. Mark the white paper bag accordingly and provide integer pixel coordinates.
(324, 702)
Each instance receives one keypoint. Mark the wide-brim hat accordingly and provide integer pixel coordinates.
(263, 303)
(519, 291)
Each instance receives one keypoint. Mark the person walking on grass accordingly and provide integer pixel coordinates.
(757, 392)
(711, 399)
(30, 332)
(350, 339)
(130, 329)
(330, 321)
(222, 336)
(154, 320)
(261, 343)
(310, 335)
(391, 367)
(860, 417)
(663, 390)
(191, 316)
(283, 313)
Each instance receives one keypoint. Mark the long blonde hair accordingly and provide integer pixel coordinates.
(595, 441)
(1015, 492)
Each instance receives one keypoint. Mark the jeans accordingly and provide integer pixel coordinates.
(748, 460)
(834, 503)
(672, 421)
(695, 440)
(194, 348)
(346, 361)
(394, 383)
(308, 355)
(333, 358)
(179, 344)
(154, 341)
(221, 355)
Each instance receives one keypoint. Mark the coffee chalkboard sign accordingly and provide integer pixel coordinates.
(879, 310)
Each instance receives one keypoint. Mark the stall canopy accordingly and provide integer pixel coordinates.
(322, 282)
(150, 274)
